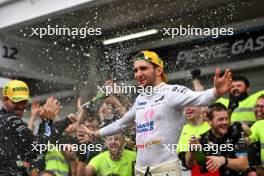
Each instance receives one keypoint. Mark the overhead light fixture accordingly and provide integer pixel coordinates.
(130, 36)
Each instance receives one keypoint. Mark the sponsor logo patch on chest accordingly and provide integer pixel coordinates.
(144, 127)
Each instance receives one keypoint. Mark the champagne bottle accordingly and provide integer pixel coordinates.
(201, 160)
(99, 96)
(241, 144)
(200, 157)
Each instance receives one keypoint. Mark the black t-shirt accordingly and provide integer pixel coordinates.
(231, 145)
(18, 144)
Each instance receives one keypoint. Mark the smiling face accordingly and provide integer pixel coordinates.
(115, 144)
(15, 108)
(259, 109)
(237, 88)
(146, 74)
(220, 122)
(193, 112)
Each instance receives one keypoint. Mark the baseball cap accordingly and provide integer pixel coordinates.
(16, 91)
(152, 57)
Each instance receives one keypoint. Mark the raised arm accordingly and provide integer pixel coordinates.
(181, 96)
(114, 128)
(109, 130)
(35, 110)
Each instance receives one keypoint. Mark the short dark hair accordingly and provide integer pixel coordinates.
(241, 78)
(215, 107)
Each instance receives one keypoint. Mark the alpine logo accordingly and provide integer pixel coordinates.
(160, 99)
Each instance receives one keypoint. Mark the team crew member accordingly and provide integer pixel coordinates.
(257, 128)
(259, 108)
(241, 101)
(196, 124)
(158, 116)
(195, 127)
(258, 135)
(16, 140)
(224, 146)
(115, 161)
(254, 148)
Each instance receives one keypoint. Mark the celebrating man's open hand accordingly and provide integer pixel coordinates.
(222, 84)
(50, 109)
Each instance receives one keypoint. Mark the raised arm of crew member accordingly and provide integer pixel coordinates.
(35, 110)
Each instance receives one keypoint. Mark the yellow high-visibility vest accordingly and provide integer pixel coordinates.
(245, 111)
(187, 132)
(56, 162)
(258, 135)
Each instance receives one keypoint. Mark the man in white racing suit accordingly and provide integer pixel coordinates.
(158, 116)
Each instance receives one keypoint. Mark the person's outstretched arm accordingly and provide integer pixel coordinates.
(181, 96)
(114, 128)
